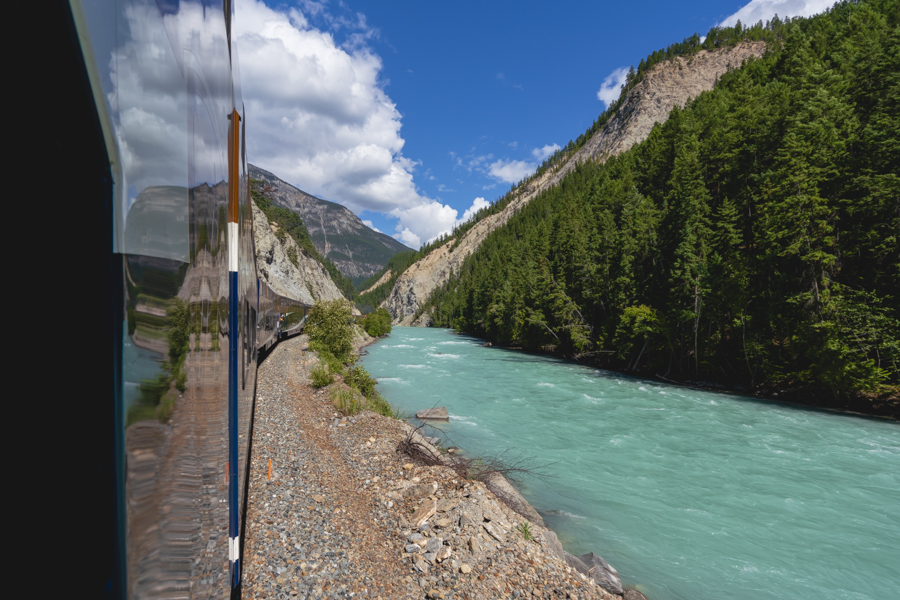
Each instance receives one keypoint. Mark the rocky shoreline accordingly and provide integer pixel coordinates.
(336, 511)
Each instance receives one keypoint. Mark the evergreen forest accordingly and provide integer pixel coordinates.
(750, 242)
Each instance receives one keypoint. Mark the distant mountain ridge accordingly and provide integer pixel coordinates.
(357, 250)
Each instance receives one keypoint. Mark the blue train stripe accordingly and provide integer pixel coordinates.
(233, 504)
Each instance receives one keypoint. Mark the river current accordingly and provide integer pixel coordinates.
(689, 494)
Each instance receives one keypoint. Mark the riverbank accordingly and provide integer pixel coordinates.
(344, 514)
(885, 405)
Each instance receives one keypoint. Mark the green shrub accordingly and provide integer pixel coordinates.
(359, 379)
(333, 363)
(321, 376)
(525, 529)
(330, 328)
(377, 323)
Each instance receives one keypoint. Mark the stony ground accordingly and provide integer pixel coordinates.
(335, 511)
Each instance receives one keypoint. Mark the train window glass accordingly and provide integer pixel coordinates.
(245, 355)
(156, 199)
(253, 334)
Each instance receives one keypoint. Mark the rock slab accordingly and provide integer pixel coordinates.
(599, 570)
(438, 413)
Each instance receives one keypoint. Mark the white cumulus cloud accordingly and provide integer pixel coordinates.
(510, 171)
(477, 205)
(764, 10)
(409, 238)
(370, 225)
(542, 153)
(612, 86)
(318, 115)
(433, 220)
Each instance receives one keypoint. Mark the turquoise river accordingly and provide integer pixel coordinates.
(689, 494)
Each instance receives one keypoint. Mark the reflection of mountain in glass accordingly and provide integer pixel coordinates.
(157, 223)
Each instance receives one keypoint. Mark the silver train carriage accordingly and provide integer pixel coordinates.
(150, 131)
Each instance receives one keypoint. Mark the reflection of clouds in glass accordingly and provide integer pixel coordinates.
(150, 93)
(149, 99)
(322, 119)
(170, 96)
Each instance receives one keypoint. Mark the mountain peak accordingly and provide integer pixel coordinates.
(357, 250)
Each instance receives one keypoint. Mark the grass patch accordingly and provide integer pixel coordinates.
(347, 401)
(321, 376)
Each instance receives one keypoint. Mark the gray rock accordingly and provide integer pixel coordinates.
(596, 568)
(434, 544)
(510, 496)
(474, 546)
(443, 554)
(633, 595)
(415, 538)
(553, 543)
(495, 531)
(471, 515)
(422, 490)
(412, 548)
(306, 281)
(439, 413)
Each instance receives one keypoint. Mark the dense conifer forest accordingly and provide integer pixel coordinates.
(750, 241)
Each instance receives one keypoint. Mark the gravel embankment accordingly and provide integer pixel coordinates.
(340, 516)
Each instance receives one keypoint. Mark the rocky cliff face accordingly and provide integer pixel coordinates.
(667, 85)
(356, 250)
(307, 281)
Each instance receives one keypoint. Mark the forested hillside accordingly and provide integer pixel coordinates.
(751, 240)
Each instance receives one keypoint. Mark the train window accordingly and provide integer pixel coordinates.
(253, 328)
(245, 355)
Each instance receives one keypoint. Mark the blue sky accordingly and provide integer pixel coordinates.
(411, 113)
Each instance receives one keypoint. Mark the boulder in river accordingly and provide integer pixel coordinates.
(597, 569)
(438, 413)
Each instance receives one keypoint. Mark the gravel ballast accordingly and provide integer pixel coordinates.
(345, 515)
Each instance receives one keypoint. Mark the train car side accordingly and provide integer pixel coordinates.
(193, 314)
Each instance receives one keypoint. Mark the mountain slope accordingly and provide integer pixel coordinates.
(285, 266)
(358, 251)
(668, 84)
(750, 242)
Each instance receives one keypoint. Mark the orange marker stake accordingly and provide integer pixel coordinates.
(270, 469)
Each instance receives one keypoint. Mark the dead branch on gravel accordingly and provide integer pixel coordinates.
(479, 468)
(417, 448)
